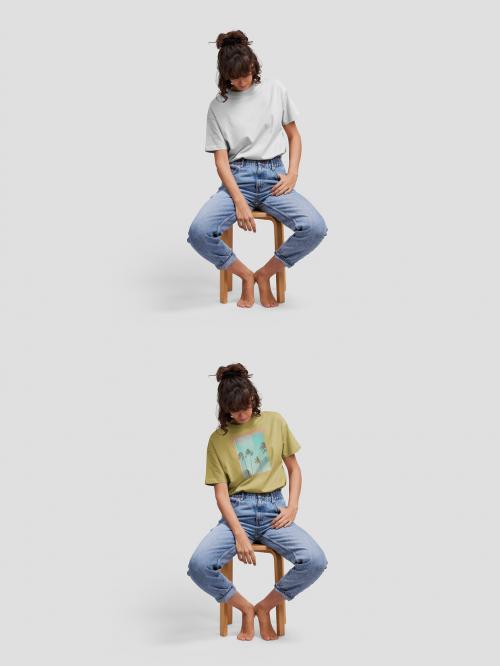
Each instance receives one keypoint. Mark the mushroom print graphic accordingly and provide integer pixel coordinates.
(252, 454)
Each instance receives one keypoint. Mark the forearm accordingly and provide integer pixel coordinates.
(295, 485)
(295, 152)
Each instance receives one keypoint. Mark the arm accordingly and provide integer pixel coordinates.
(294, 480)
(243, 213)
(287, 515)
(294, 147)
(288, 180)
(243, 545)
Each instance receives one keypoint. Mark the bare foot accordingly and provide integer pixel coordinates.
(266, 295)
(266, 628)
(247, 297)
(247, 628)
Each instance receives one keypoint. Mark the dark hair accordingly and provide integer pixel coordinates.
(235, 392)
(235, 59)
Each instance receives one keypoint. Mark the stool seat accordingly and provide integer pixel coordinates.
(226, 277)
(226, 610)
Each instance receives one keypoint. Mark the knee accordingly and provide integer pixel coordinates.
(317, 562)
(318, 228)
(196, 566)
(196, 233)
(202, 229)
(314, 229)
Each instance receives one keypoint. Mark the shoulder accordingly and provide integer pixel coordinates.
(215, 436)
(273, 416)
(278, 83)
(217, 102)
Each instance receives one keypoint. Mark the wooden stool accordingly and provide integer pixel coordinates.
(226, 610)
(226, 277)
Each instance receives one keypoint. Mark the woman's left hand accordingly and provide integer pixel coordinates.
(286, 517)
(286, 184)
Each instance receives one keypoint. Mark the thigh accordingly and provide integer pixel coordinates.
(293, 209)
(216, 215)
(294, 543)
(216, 548)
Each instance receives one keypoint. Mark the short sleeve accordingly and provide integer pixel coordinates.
(214, 472)
(214, 139)
(290, 444)
(290, 111)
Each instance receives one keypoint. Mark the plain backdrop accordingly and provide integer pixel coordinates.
(384, 358)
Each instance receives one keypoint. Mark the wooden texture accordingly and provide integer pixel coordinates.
(226, 610)
(226, 277)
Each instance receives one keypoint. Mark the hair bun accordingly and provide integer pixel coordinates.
(233, 38)
(235, 370)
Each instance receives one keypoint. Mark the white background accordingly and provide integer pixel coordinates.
(384, 359)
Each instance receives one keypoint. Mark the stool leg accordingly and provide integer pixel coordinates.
(279, 238)
(280, 608)
(281, 569)
(223, 611)
(223, 287)
(229, 275)
(223, 274)
(229, 607)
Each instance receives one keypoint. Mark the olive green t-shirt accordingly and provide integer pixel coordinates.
(249, 456)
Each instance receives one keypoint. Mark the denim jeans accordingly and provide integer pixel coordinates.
(255, 512)
(255, 178)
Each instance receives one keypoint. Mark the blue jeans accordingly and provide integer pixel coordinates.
(255, 178)
(255, 512)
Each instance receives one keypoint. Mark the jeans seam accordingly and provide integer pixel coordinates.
(276, 549)
(223, 222)
(283, 215)
(221, 600)
(227, 262)
(287, 263)
(222, 557)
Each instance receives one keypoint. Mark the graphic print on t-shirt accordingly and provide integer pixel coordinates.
(252, 453)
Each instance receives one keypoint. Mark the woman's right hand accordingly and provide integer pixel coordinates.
(244, 550)
(244, 216)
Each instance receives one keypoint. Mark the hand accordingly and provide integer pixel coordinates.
(244, 549)
(286, 517)
(286, 184)
(244, 216)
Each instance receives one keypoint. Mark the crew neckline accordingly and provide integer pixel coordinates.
(237, 93)
(250, 421)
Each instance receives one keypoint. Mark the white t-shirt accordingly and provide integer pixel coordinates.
(250, 122)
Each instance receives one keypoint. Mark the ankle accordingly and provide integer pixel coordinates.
(247, 610)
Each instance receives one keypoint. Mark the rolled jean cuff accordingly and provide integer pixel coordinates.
(284, 594)
(227, 262)
(231, 592)
(281, 258)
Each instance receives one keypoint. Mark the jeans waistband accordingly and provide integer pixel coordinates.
(272, 161)
(273, 494)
